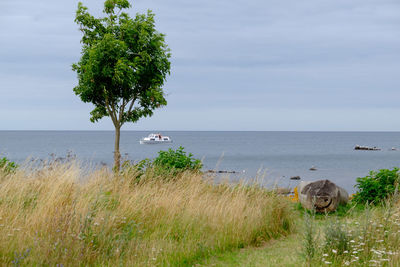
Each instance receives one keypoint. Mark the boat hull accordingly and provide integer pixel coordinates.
(154, 142)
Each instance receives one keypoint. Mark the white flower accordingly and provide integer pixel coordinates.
(352, 241)
(334, 251)
(328, 262)
(325, 255)
(347, 263)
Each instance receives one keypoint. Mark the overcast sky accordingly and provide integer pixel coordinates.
(236, 65)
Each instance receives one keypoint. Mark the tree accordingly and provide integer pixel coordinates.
(123, 66)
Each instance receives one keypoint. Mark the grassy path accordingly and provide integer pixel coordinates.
(281, 252)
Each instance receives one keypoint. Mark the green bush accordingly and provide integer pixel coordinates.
(377, 186)
(176, 161)
(7, 166)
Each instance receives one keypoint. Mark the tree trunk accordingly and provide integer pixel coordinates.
(117, 155)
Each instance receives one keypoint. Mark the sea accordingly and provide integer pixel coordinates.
(269, 158)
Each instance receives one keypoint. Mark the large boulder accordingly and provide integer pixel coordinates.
(322, 195)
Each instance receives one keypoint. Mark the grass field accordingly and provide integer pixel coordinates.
(60, 214)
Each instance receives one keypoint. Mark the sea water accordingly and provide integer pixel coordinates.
(270, 157)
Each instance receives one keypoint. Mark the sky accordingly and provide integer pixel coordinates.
(237, 65)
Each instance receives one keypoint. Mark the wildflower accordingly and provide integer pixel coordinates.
(345, 252)
(352, 241)
(334, 251)
(325, 255)
(347, 263)
(379, 241)
(328, 262)
(96, 224)
(376, 252)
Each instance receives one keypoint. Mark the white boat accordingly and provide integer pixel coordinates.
(155, 139)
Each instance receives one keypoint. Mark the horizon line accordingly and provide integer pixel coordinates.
(348, 131)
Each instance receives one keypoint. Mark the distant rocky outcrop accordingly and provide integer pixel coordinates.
(214, 171)
(357, 147)
(322, 195)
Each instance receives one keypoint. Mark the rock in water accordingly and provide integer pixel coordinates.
(295, 178)
(324, 195)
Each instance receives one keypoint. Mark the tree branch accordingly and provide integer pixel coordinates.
(109, 112)
(121, 110)
(131, 105)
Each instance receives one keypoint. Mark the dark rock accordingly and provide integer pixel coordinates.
(357, 147)
(323, 195)
(295, 178)
(223, 171)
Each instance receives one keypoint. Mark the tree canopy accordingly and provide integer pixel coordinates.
(123, 66)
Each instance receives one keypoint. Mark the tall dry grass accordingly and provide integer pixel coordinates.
(58, 215)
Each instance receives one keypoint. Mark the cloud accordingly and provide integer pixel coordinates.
(237, 58)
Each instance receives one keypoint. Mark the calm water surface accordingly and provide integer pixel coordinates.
(276, 156)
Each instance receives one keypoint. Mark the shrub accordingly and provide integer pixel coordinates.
(377, 186)
(7, 166)
(177, 161)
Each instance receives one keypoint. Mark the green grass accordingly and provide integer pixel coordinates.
(279, 252)
(352, 236)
